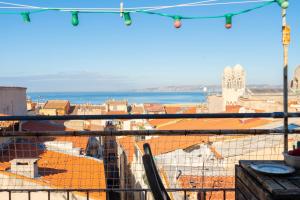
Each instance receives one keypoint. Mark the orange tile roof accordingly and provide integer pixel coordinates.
(233, 108)
(172, 109)
(154, 107)
(236, 109)
(190, 110)
(137, 110)
(116, 113)
(160, 122)
(79, 142)
(42, 126)
(215, 152)
(165, 144)
(56, 104)
(5, 124)
(127, 144)
(194, 124)
(59, 170)
(188, 181)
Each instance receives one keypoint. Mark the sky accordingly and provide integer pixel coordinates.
(102, 54)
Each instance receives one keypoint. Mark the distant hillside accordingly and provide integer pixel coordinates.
(182, 88)
(203, 88)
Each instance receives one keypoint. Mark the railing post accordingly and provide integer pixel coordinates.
(285, 44)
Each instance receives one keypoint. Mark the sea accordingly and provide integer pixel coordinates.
(131, 97)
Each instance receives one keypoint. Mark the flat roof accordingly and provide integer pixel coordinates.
(12, 87)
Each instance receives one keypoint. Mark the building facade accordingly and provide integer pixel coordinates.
(233, 85)
(13, 100)
(295, 82)
(56, 107)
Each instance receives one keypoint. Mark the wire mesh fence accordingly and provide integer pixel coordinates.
(111, 167)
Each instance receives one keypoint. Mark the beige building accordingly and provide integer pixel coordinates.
(13, 100)
(117, 105)
(215, 104)
(295, 82)
(56, 107)
(154, 108)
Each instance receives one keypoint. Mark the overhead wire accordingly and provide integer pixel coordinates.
(133, 9)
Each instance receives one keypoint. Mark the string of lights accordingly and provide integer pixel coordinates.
(126, 12)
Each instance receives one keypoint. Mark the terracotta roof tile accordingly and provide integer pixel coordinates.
(233, 108)
(154, 107)
(160, 122)
(165, 144)
(80, 142)
(58, 170)
(42, 126)
(194, 124)
(172, 109)
(56, 104)
(209, 182)
(137, 110)
(190, 110)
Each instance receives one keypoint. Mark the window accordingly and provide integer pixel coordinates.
(111, 157)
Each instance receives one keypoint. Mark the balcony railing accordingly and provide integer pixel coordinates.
(106, 164)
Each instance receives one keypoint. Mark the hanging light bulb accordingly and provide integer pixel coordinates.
(26, 17)
(177, 21)
(283, 3)
(228, 21)
(127, 18)
(75, 20)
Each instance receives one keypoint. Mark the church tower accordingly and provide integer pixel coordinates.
(233, 85)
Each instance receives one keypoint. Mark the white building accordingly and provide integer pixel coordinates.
(295, 83)
(13, 100)
(233, 84)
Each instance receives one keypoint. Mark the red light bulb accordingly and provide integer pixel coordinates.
(177, 23)
(228, 26)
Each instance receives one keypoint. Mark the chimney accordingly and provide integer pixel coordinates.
(25, 167)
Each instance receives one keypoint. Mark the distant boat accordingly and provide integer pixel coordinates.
(204, 89)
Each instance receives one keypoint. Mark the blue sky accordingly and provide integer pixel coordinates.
(49, 54)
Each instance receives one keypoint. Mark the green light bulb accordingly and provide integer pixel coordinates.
(127, 18)
(26, 17)
(283, 3)
(228, 21)
(75, 20)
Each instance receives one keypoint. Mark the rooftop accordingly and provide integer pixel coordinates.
(56, 104)
(57, 170)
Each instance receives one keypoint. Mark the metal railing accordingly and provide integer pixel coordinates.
(200, 191)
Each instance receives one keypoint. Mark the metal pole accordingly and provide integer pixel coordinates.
(285, 81)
